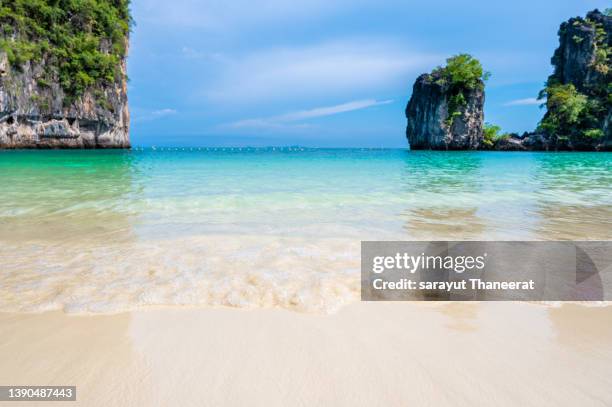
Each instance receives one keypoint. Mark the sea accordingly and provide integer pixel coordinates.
(107, 231)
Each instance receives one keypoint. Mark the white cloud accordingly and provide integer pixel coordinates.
(331, 69)
(190, 53)
(218, 15)
(163, 112)
(146, 116)
(281, 121)
(524, 102)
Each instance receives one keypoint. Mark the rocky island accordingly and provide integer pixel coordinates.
(63, 81)
(445, 111)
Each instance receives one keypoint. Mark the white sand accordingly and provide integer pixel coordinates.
(393, 354)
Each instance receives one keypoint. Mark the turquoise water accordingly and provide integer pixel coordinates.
(105, 231)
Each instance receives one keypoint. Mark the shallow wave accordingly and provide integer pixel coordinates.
(299, 274)
(245, 272)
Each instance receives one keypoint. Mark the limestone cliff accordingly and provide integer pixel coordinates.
(32, 116)
(445, 111)
(446, 108)
(578, 101)
(576, 60)
(63, 80)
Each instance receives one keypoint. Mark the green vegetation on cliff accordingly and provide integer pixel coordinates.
(80, 42)
(491, 134)
(578, 94)
(567, 109)
(461, 74)
(463, 71)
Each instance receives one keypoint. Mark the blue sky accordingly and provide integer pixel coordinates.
(326, 73)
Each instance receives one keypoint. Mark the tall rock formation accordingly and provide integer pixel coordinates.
(445, 111)
(576, 61)
(578, 103)
(63, 81)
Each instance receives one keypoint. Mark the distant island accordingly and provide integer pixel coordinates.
(63, 81)
(445, 111)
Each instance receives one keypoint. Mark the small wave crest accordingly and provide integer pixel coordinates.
(245, 272)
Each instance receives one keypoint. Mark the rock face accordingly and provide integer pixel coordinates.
(34, 114)
(583, 60)
(575, 59)
(429, 125)
(526, 142)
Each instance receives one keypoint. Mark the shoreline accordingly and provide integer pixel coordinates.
(366, 353)
(324, 312)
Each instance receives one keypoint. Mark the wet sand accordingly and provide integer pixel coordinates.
(397, 354)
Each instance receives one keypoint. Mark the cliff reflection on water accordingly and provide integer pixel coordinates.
(510, 196)
(574, 199)
(446, 186)
(53, 196)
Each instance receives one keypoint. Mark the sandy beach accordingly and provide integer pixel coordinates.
(397, 354)
(169, 278)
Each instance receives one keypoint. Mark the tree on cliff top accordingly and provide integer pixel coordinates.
(462, 73)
